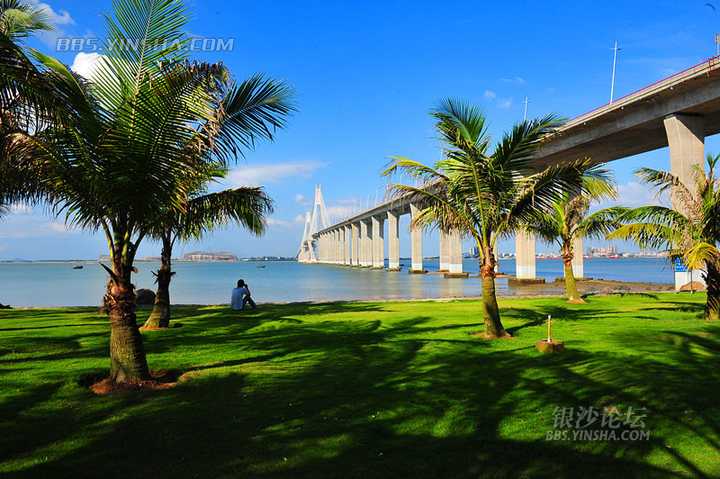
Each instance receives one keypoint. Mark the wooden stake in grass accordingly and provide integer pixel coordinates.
(548, 345)
(549, 325)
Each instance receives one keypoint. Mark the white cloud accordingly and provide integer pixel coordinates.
(301, 199)
(343, 209)
(287, 224)
(260, 175)
(276, 222)
(505, 103)
(85, 64)
(20, 209)
(56, 18)
(516, 80)
(489, 94)
(59, 227)
(634, 194)
(32, 226)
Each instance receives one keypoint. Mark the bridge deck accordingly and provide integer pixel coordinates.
(630, 125)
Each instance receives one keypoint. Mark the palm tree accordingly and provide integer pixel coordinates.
(25, 105)
(486, 193)
(691, 232)
(243, 113)
(18, 19)
(247, 206)
(569, 220)
(141, 127)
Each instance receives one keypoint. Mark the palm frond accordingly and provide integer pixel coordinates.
(700, 254)
(245, 113)
(247, 206)
(18, 20)
(516, 150)
(602, 222)
(461, 124)
(647, 235)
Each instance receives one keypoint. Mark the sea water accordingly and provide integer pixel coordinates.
(58, 284)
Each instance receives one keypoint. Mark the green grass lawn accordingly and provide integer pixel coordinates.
(366, 390)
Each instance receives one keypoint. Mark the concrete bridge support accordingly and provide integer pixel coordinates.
(323, 248)
(364, 243)
(341, 246)
(335, 246)
(415, 243)
(343, 250)
(444, 251)
(578, 263)
(378, 242)
(686, 139)
(347, 245)
(393, 241)
(355, 245)
(455, 254)
(525, 256)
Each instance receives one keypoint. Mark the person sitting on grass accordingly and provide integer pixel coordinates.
(241, 296)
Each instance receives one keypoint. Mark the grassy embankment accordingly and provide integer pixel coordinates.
(365, 390)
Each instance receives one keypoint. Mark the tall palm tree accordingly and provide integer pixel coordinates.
(25, 104)
(568, 220)
(247, 206)
(142, 125)
(19, 19)
(243, 113)
(486, 193)
(691, 232)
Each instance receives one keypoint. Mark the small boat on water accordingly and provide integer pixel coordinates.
(78, 266)
(262, 266)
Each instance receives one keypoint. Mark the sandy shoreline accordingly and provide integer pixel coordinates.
(552, 289)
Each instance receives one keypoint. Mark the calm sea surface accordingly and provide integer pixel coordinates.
(57, 284)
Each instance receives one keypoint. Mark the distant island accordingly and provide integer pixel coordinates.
(204, 256)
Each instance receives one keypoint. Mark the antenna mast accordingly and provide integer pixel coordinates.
(612, 81)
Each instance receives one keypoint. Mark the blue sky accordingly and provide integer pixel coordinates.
(367, 73)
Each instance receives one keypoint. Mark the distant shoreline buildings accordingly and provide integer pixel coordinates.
(609, 252)
(210, 256)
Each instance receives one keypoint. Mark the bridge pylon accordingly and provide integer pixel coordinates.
(315, 221)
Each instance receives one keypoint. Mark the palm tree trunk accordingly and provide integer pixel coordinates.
(571, 291)
(491, 312)
(127, 355)
(160, 315)
(712, 281)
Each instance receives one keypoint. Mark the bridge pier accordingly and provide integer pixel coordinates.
(455, 254)
(686, 139)
(525, 256)
(337, 239)
(342, 257)
(321, 248)
(365, 258)
(444, 252)
(338, 247)
(355, 245)
(578, 262)
(393, 241)
(378, 242)
(346, 245)
(415, 243)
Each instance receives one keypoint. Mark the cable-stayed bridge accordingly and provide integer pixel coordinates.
(678, 111)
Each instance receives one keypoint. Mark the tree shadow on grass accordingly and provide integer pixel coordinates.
(358, 399)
